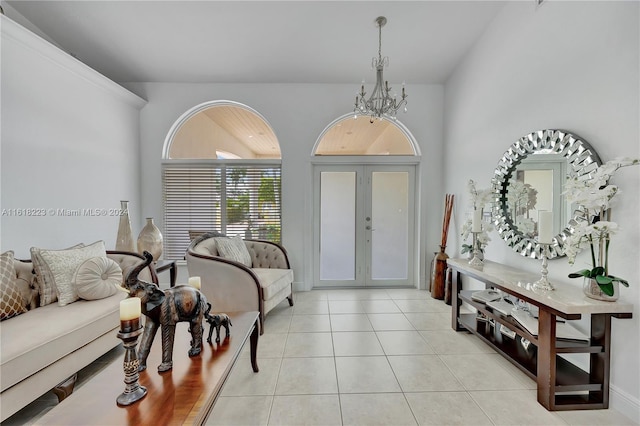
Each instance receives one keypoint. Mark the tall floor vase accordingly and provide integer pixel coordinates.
(438, 275)
(124, 239)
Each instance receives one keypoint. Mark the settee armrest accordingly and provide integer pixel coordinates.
(227, 285)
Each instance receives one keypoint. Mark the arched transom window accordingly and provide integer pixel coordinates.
(361, 136)
(224, 131)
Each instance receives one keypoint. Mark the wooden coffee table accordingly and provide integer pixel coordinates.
(183, 395)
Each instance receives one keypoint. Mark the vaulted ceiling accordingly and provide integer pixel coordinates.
(261, 41)
(266, 42)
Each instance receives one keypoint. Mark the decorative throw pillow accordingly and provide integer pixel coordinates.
(25, 282)
(97, 278)
(234, 249)
(207, 247)
(63, 265)
(44, 277)
(10, 299)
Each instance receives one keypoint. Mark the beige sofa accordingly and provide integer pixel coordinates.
(46, 345)
(231, 286)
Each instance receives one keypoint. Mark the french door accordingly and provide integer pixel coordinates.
(364, 233)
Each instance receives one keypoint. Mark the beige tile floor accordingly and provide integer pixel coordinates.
(370, 357)
(380, 357)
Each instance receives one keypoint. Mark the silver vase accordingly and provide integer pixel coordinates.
(124, 239)
(592, 290)
(150, 239)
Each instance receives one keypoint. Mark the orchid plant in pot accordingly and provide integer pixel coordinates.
(479, 199)
(594, 197)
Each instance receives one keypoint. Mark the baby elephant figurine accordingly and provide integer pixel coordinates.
(163, 310)
(216, 321)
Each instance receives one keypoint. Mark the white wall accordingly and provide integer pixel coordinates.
(298, 114)
(566, 65)
(69, 141)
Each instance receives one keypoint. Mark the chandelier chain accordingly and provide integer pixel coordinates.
(380, 42)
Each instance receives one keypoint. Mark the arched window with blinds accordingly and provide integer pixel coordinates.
(221, 172)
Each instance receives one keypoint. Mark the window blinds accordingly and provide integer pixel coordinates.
(234, 199)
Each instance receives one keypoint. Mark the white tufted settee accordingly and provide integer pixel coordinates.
(232, 286)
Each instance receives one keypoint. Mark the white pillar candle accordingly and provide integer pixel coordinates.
(477, 221)
(545, 227)
(194, 282)
(130, 309)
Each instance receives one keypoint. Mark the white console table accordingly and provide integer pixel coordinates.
(561, 384)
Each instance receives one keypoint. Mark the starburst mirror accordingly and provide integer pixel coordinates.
(530, 178)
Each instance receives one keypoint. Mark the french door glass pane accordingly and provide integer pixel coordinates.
(338, 227)
(390, 213)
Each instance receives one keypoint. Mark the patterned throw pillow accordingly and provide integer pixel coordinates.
(44, 277)
(26, 284)
(10, 299)
(97, 278)
(63, 265)
(234, 249)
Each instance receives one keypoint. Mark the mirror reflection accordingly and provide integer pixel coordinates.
(529, 179)
(537, 186)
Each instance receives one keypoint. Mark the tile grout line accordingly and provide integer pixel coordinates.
(335, 367)
(275, 387)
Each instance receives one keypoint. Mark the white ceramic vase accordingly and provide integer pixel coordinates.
(150, 239)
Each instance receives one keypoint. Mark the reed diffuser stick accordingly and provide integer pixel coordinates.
(448, 208)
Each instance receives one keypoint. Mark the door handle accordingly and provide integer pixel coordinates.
(369, 228)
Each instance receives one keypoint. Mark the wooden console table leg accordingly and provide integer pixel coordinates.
(546, 375)
(456, 302)
(600, 362)
(254, 346)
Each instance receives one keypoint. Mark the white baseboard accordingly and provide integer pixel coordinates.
(624, 403)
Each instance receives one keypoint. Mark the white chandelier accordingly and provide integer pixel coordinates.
(380, 104)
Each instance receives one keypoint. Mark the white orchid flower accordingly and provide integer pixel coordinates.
(466, 229)
(603, 230)
(479, 198)
(595, 198)
(595, 195)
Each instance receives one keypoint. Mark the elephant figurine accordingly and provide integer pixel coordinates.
(215, 321)
(164, 309)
